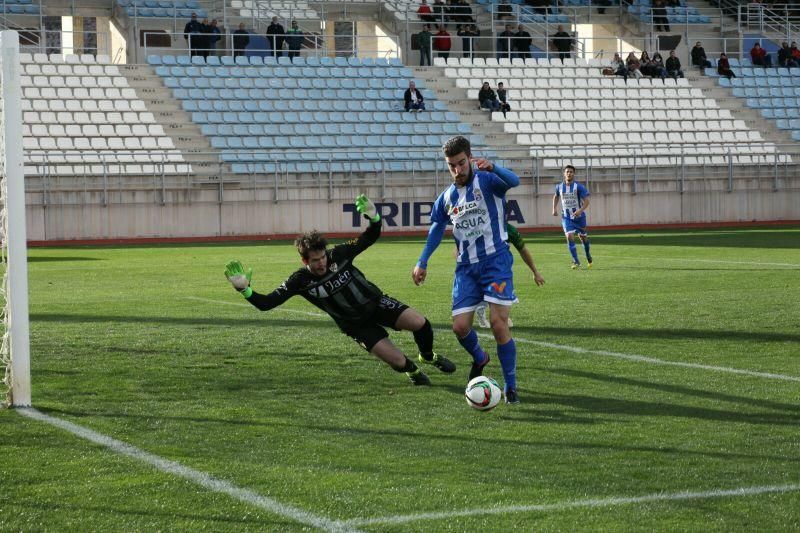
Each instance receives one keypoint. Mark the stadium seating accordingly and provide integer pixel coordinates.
(255, 110)
(570, 111)
(181, 9)
(266, 9)
(774, 92)
(80, 117)
(20, 7)
(683, 14)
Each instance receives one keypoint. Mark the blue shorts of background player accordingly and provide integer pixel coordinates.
(488, 280)
(576, 225)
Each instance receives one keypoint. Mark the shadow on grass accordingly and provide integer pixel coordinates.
(266, 521)
(515, 414)
(322, 322)
(676, 389)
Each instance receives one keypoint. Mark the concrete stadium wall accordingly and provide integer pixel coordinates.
(245, 212)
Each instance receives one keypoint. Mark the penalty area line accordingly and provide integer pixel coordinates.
(200, 478)
(594, 502)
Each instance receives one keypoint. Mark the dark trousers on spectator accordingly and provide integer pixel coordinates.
(444, 54)
(424, 55)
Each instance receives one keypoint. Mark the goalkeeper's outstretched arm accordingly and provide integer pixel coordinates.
(240, 280)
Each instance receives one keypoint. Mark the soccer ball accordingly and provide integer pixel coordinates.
(483, 393)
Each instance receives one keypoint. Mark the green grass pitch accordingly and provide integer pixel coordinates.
(150, 346)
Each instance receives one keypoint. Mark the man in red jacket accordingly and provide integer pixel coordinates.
(441, 42)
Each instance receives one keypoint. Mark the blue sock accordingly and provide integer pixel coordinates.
(470, 344)
(574, 251)
(507, 353)
(586, 249)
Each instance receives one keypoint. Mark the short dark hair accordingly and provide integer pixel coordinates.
(569, 166)
(313, 240)
(456, 145)
(499, 84)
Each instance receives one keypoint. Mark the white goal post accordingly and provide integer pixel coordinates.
(15, 348)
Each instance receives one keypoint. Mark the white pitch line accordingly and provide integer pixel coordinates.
(201, 478)
(561, 506)
(577, 349)
(651, 360)
(242, 304)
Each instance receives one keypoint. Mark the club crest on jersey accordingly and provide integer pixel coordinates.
(478, 196)
(333, 267)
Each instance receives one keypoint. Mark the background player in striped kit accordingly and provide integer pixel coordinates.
(574, 203)
(475, 204)
(330, 281)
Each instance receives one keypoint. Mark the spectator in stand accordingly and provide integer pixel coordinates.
(439, 12)
(674, 66)
(760, 57)
(414, 101)
(563, 43)
(632, 62)
(213, 38)
(425, 12)
(657, 67)
(463, 12)
(724, 67)
(644, 64)
(660, 19)
(504, 11)
(441, 42)
(618, 67)
(241, 38)
(275, 36)
(502, 96)
(504, 42)
(424, 43)
(294, 39)
(522, 43)
(795, 52)
(487, 98)
(192, 34)
(601, 6)
(204, 38)
(699, 56)
(468, 34)
(785, 58)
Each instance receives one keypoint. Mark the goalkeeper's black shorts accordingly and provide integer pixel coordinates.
(369, 333)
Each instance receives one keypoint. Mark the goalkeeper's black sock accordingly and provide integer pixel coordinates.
(410, 366)
(424, 339)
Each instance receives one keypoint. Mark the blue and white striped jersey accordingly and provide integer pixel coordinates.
(572, 197)
(478, 214)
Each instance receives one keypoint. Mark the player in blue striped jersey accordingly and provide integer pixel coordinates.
(475, 204)
(574, 199)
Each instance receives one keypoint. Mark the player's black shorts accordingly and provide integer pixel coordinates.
(370, 332)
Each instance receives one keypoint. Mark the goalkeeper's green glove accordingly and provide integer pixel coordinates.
(240, 280)
(365, 206)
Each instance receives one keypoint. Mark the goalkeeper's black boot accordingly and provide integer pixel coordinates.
(477, 368)
(418, 377)
(442, 363)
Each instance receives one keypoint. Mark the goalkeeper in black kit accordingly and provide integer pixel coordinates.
(330, 281)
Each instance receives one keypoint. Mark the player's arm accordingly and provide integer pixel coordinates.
(555, 204)
(584, 207)
(240, 280)
(515, 238)
(354, 247)
(507, 179)
(435, 235)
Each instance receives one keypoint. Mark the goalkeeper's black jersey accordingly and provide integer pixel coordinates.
(343, 292)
